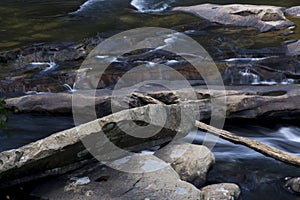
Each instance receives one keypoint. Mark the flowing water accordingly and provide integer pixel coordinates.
(259, 177)
(49, 21)
(35, 21)
(22, 129)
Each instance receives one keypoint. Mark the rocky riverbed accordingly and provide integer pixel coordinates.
(256, 50)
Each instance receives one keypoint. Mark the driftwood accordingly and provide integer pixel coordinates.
(56, 153)
(252, 144)
(147, 99)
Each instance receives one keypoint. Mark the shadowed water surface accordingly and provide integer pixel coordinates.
(22, 129)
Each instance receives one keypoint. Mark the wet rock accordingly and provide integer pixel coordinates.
(18, 85)
(292, 184)
(42, 52)
(223, 191)
(191, 162)
(293, 48)
(264, 18)
(161, 184)
(293, 11)
(281, 106)
(244, 102)
(43, 67)
(45, 157)
(59, 103)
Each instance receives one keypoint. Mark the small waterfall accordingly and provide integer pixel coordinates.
(69, 88)
(234, 75)
(247, 77)
(242, 70)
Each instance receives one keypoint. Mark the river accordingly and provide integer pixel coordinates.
(258, 176)
(34, 21)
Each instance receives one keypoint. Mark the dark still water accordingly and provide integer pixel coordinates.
(22, 129)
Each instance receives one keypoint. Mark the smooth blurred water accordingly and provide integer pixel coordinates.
(258, 176)
(22, 129)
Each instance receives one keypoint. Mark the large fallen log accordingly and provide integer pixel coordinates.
(59, 151)
(255, 145)
(250, 102)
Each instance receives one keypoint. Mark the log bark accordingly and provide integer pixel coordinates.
(252, 144)
(147, 99)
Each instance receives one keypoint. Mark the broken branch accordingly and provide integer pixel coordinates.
(252, 144)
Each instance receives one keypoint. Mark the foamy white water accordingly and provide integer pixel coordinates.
(285, 138)
(51, 65)
(247, 59)
(145, 6)
(292, 134)
(69, 88)
(85, 5)
(35, 92)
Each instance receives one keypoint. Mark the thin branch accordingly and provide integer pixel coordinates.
(255, 145)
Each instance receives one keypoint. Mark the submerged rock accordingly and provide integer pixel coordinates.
(292, 185)
(264, 18)
(191, 162)
(223, 191)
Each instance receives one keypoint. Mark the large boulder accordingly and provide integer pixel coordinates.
(191, 162)
(223, 191)
(264, 18)
(100, 182)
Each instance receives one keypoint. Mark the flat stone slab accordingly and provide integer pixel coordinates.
(264, 18)
(100, 182)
